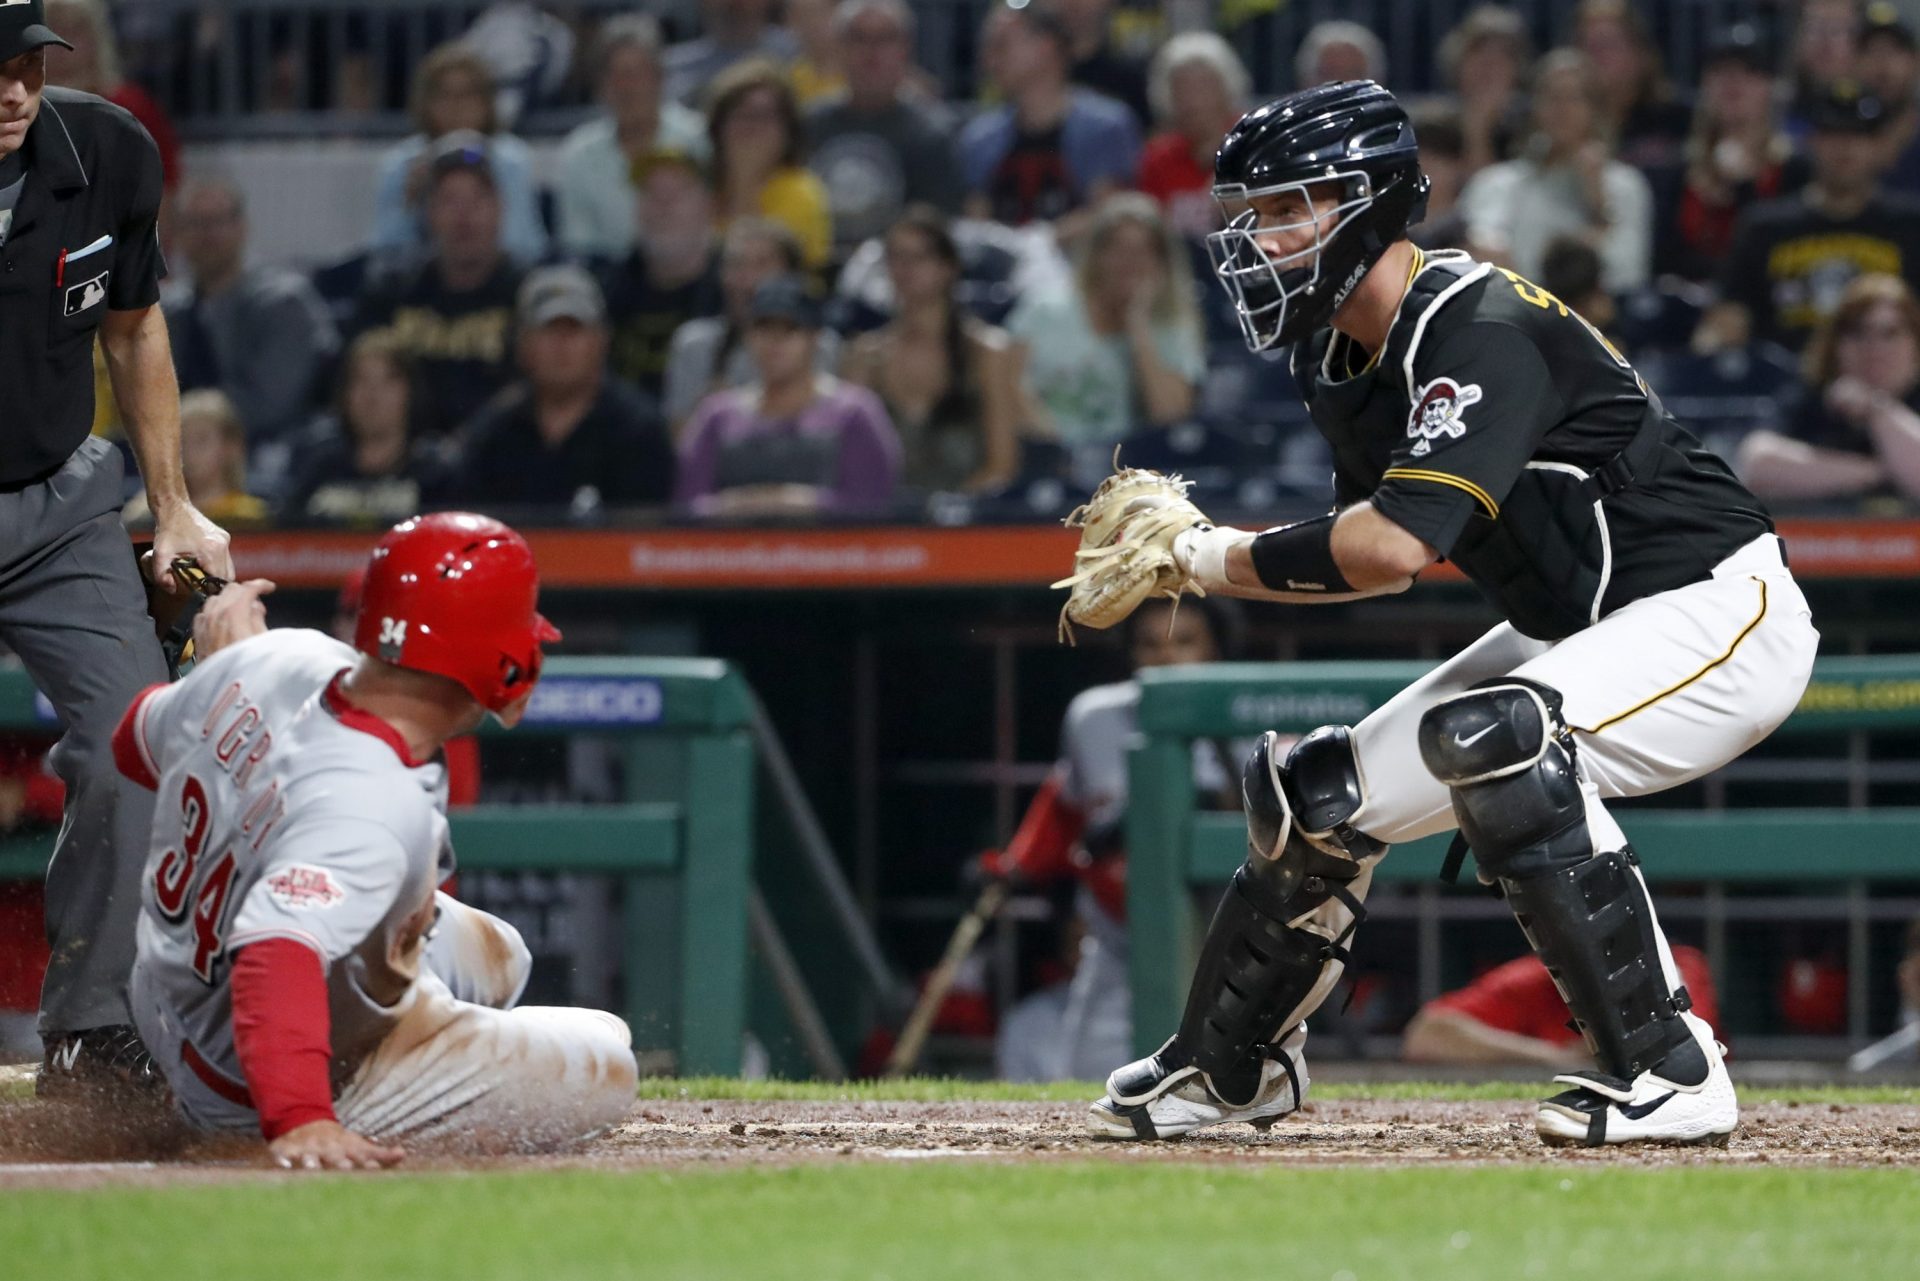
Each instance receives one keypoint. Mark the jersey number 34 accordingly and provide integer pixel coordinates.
(178, 887)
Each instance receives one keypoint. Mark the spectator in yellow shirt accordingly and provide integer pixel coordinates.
(815, 74)
(754, 122)
(213, 459)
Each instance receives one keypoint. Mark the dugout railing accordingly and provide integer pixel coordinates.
(680, 847)
(1175, 847)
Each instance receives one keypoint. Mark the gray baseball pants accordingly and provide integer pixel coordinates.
(73, 608)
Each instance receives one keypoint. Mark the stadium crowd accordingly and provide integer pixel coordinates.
(777, 274)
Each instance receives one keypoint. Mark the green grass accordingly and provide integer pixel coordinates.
(934, 1221)
(952, 1090)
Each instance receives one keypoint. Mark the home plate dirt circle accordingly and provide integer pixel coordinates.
(691, 1133)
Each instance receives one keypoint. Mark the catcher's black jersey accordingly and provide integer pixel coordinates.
(1501, 429)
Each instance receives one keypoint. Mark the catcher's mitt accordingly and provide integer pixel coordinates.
(1126, 547)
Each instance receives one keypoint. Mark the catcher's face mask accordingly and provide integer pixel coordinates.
(1279, 250)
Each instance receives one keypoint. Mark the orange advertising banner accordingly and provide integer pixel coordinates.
(844, 558)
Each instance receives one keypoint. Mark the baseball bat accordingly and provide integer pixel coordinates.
(913, 1037)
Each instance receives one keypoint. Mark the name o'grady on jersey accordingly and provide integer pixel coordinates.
(234, 723)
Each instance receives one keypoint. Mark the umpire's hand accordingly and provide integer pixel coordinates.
(182, 531)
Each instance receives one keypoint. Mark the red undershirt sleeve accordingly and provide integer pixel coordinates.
(130, 753)
(282, 1033)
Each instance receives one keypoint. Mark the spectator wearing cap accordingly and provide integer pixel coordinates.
(1568, 182)
(1050, 150)
(1737, 154)
(1338, 50)
(673, 274)
(1792, 258)
(566, 434)
(759, 149)
(795, 442)
(1889, 66)
(452, 314)
(1198, 87)
(878, 147)
(453, 93)
(260, 334)
(1645, 117)
(733, 31)
(710, 352)
(362, 465)
(595, 192)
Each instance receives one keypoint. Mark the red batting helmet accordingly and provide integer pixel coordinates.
(453, 594)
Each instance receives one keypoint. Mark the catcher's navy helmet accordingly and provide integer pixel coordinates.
(1353, 133)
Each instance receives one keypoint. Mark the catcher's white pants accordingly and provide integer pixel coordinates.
(1659, 692)
(470, 1075)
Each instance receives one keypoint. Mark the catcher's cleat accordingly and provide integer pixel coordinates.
(1160, 1097)
(101, 1064)
(1687, 1098)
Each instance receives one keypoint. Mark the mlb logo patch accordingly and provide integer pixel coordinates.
(88, 293)
(304, 886)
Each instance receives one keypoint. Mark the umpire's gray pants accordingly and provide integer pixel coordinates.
(72, 607)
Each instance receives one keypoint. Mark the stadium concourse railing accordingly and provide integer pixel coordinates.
(1175, 847)
(686, 979)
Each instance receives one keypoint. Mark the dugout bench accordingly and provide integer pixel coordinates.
(1174, 848)
(682, 845)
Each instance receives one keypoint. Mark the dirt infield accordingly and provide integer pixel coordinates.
(42, 1146)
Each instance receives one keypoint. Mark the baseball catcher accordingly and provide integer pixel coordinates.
(1652, 632)
(297, 973)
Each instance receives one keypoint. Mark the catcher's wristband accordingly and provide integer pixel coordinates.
(1201, 554)
(1299, 558)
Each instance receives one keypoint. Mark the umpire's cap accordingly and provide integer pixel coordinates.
(23, 28)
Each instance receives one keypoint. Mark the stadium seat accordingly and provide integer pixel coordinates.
(1661, 317)
(1722, 397)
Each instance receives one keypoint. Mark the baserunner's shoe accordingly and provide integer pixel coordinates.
(1687, 1098)
(1163, 1097)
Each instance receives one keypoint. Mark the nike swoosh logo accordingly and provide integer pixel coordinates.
(67, 1055)
(1640, 1111)
(1472, 739)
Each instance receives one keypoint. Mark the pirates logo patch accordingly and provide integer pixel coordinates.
(1437, 409)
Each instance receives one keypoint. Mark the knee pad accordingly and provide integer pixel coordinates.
(1507, 755)
(1299, 813)
(1266, 961)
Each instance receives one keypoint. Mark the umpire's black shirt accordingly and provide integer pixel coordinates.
(84, 238)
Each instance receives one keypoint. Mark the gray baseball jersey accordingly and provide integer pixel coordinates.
(281, 812)
(1099, 727)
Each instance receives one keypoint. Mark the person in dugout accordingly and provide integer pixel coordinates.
(1075, 828)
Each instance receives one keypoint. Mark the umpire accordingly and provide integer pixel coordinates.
(80, 261)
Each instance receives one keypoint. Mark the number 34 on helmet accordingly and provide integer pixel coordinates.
(454, 594)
